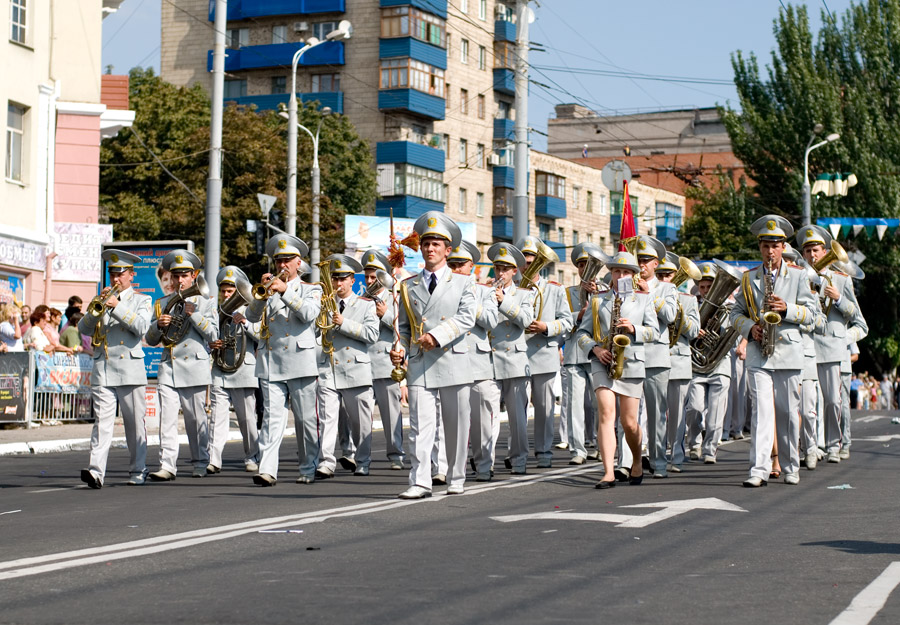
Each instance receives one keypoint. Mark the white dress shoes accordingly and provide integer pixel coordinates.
(754, 482)
(415, 492)
(250, 466)
(162, 476)
(455, 489)
(792, 478)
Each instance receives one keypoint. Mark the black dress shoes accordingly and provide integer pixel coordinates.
(604, 485)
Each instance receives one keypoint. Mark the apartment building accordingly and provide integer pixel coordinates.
(49, 235)
(429, 83)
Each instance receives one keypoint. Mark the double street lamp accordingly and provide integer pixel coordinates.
(809, 148)
(343, 31)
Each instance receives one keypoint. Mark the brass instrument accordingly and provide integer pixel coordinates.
(616, 342)
(592, 268)
(769, 317)
(708, 350)
(686, 270)
(97, 307)
(545, 256)
(261, 291)
(325, 320)
(630, 245)
(416, 328)
(230, 356)
(178, 328)
(835, 255)
(383, 280)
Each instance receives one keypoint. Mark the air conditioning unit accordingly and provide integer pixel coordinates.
(300, 27)
(494, 159)
(500, 11)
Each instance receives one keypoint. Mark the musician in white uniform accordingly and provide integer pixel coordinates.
(236, 388)
(184, 370)
(345, 371)
(774, 358)
(619, 312)
(118, 377)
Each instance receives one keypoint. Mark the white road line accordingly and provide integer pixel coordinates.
(9, 512)
(56, 489)
(23, 567)
(869, 602)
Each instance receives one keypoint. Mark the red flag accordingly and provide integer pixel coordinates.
(626, 230)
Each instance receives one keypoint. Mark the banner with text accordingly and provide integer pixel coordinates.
(14, 386)
(63, 373)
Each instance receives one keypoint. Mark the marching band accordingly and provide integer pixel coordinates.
(653, 359)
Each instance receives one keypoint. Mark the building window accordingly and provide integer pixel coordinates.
(18, 27)
(326, 82)
(590, 202)
(479, 204)
(463, 152)
(544, 231)
(464, 101)
(504, 155)
(279, 34)
(616, 204)
(235, 88)
(462, 200)
(560, 277)
(576, 197)
(668, 216)
(464, 6)
(550, 184)
(504, 55)
(409, 22)
(236, 38)
(418, 181)
(590, 238)
(482, 57)
(505, 13)
(481, 107)
(479, 156)
(601, 204)
(408, 73)
(574, 237)
(447, 95)
(320, 30)
(503, 201)
(561, 235)
(482, 9)
(504, 110)
(464, 51)
(15, 140)
(447, 146)
(279, 84)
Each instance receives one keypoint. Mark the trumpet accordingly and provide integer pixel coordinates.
(261, 289)
(97, 306)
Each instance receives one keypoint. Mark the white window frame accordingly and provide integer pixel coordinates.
(18, 21)
(482, 58)
(464, 51)
(279, 33)
(237, 38)
(463, 152)
(15, 142)
(464, 6)
(463, 200)
(482, 10)
(479, 204)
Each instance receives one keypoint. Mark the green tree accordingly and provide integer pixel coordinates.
(848, 79)
(153, 178)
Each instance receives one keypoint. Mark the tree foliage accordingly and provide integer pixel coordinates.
(848, 79)
(171, 132)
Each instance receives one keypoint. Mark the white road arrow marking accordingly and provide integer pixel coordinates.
(878, 439)
(868, 603)
(668, 510)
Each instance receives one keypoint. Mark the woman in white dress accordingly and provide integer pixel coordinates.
(636, 321)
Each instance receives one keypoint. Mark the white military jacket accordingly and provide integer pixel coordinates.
(662, 296)
(680, 353)
(479, 339)
(379, 352)
(543, 349)
(120, 362)
(510, 342)
(187, 363)
(349, 365)
(844, 322)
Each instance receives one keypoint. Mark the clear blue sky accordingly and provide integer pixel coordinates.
(662, 38)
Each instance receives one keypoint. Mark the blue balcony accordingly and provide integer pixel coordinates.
(549, 207)
(412, 101)
(504, 31)
(504, 81)
(408, 206)
(615, 224)
(559, 248)
(437, 7)
(504, 177)
(667, 235)
(504, 129)
(247, 9)
(279, 55)
(502, 227)
(412, 153)
(332, 99)
(414, 49)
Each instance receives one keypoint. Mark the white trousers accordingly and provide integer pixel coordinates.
(244, 401)
(775, 403)
(809, 396)
(544, 400)
(515, 396)
(301, 393)
(845, 411)
(191, 400)
(739, 404)
(387, 396)
(132, 399)
(423, 411)
(484, 399)
(830, 380)
(357, 402)
(576, 409)
(716, 388)
(675, 420)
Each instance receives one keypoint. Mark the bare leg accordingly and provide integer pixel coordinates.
(628, 417)
(606, 432)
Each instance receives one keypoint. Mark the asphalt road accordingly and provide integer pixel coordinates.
(542, 548)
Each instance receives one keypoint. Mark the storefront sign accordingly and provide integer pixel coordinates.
(23, 254)
(77, 247)
(12, 289)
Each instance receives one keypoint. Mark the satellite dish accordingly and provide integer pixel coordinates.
(615, 174)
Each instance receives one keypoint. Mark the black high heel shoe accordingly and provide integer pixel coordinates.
(622, 475)
(603, 485)
(636, 481)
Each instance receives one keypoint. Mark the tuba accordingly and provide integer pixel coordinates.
(180, 324)
(707, 351)
(835, 255)
(329, 306)
(230, 356)
(686, 270)
(545, 256)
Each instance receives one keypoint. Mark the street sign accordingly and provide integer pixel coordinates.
(266, 202)
(668, 509)
(615, 174)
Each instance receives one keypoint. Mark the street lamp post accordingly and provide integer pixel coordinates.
(316, 188)
(343, 31)
(807, 200)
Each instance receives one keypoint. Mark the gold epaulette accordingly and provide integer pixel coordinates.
(157, 306)
(554, 283)
(794, 266)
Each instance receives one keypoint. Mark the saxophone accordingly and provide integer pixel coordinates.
(769, 317)
(616, 342)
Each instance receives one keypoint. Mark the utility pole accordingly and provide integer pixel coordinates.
(520, 194)
(214, 181)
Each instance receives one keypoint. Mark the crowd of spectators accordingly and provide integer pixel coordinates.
(867, 393)
(43, 329)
